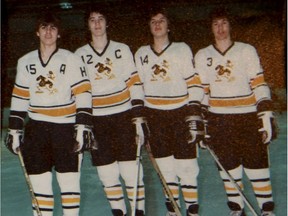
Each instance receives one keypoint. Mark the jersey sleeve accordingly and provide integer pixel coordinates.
(201, 69)
(81, 89)
(133, 81)
(257, 80)
(192, 78)
(20, 97)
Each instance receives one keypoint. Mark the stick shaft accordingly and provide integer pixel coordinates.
(231, 179)
(138, 159)
(28, 181)
(163, 181)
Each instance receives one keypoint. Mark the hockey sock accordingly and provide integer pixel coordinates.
(166, 166)
(127, 171)
(260, 179)
(42, 186)
(70, 192)
(187, 171)
(109, 176)
(231, 191)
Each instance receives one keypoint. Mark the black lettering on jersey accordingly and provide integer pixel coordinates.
(89, 60)
(209, 61)
(117, 54)
(31, 68)
(62, 68)
(83, 71)
(145, 60)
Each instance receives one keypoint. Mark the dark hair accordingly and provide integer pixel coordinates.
(220, 12)
(96, 9)
(158, 10)
(48, 19)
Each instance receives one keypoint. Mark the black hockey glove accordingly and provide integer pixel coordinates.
(84, 139)
(268, 126)
(14, 139)
(142, 130)
(195, 127)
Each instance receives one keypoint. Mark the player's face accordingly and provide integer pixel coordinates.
(48, 34)
(221, 29)
(159, 25)
(97, 24)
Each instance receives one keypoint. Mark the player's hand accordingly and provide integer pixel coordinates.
(268, 126)
(195, 126)
(84, 138)
(142, 130)
(14, 139)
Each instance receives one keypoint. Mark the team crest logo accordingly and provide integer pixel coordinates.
(160, 72)
(46, 83)
(104, 70)
(224, 72)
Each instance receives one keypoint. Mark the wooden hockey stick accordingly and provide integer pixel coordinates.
(231, 179)
(28, 181)
(138, 159)
(162, 180)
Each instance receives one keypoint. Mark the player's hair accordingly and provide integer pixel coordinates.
(220, 12)
(158, 10)
(48, 19)
(97, 9)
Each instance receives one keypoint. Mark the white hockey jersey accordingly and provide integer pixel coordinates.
(233, 81)
(169, 78)
(114, 78)
(51, 91)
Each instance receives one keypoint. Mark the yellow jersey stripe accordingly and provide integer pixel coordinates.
(259, 80)
(164, 101)
(23, 93)
(247, 101)
(82, 88)
(111, 99)
(55, 112)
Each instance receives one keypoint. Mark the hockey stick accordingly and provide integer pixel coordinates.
(231, 179)
(138, 159)
(34, 200)
(162, 180)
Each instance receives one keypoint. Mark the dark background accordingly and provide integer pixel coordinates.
(261, 23)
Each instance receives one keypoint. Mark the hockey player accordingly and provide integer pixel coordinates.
(52, 86)
(172, 94)
(240, 118)
(117, 95)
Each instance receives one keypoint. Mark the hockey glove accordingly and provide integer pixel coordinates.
(84, 138)
(268, 126)
(196, 130)
(14, 139)
(142, 130)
